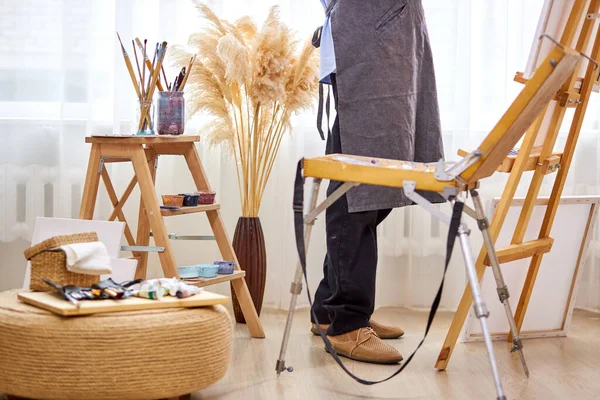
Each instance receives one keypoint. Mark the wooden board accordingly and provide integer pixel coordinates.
(508, 163)
(201, 282)
(129, 139)
(51, 301)
(190, 209)
(374, 171)
(554, 294)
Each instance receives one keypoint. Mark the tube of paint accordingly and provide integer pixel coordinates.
(154, 294)
(184, 290)
(171, 285)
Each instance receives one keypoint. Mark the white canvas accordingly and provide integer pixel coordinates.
(109, 232)
(549, 302)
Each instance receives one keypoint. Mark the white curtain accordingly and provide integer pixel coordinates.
(62, 78)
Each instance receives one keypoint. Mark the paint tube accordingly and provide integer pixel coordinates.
(171, 285)
(184, 290)
(154, 294)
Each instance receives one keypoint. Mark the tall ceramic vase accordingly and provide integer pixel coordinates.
(249, 246)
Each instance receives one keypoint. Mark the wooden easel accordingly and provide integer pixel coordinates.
(537, 154)
(143, 153)
(454, 181)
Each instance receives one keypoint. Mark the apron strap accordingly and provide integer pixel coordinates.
(330, 6)
(327, 107)
(316, 42)
(300, 245)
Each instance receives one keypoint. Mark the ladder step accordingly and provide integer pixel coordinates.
(201, 282)
(190, 210)
(176, 236)
(530, 165)
(522, 250)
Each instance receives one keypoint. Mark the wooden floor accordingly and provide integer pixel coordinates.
(561, 368)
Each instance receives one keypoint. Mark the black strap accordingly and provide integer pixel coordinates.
(299, 229)
(327, 111)
(320, 113)
(316, 39)
(316, 42)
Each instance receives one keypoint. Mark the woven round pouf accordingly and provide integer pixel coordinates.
(126, 355)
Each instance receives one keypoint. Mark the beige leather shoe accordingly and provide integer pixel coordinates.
(364, 345)
(383, 331)
(314, 330)
(386, 331)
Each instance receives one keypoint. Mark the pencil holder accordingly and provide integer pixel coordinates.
(171, 113)
(146, 127)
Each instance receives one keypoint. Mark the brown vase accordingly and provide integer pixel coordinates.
(249, 246)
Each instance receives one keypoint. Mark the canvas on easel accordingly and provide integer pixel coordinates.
(553, 21)
(553, 298)
(566, 23)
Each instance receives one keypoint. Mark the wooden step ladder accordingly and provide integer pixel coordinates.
(143, 153)
(543, 160)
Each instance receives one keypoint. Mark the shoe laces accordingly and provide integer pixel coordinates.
(368, 334)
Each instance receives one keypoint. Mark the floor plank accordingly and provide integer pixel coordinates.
(561, 368)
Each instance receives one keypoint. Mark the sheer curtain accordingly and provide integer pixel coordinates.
(63, 78)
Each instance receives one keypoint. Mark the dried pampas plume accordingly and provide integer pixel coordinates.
(247, 28)
(234, 55)
(249, 81)
(271, 57)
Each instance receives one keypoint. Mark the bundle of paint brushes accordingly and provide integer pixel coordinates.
(145, 83)
(179, 82)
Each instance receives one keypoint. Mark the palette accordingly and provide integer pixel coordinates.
(51, 301)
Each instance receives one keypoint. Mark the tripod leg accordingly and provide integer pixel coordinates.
(479, 306)
(296, 286)
(502, 289)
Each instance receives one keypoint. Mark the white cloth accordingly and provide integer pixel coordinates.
(87, 258)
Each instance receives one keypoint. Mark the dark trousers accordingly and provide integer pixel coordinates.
(345, 298)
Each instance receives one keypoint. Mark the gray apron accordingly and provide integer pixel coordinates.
(387, 99)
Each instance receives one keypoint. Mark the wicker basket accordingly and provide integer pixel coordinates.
(52, 264)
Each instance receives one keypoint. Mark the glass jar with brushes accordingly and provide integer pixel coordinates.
(145, 127)
(170, 113)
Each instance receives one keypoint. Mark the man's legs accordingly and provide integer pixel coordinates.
(346, 294)
(352, 241)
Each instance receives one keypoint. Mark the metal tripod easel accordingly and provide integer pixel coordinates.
(451, 195)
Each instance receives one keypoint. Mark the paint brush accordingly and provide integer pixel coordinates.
(129, 68)
(137, 63)
(145, 58)
(175, 83)
(179, 79)
(164, 76)
(159, 56)
(187, 73)
(148, 62)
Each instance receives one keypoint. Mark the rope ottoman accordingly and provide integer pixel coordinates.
(151, 354)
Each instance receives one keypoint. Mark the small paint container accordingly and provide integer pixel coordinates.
(207, 270)
(189, 271)
(225, 267)
(206, 197)
(172, 200)
(190, 199)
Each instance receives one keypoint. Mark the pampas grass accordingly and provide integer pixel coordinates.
(250, 81)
